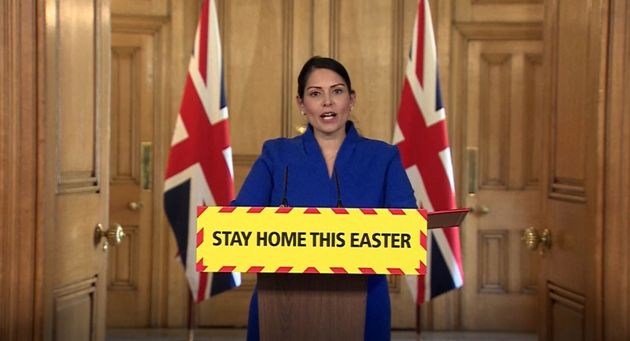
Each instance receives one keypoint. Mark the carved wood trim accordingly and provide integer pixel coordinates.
(223, 15)
(21, 226)
(335, 24)
(131, 175)
(617, 188)
(500, 31)
(137, 23)
(567, 189)
(530, 267)
(502, 62)
(162, 102)
(244, 160)
(80, 286)
(132, 260)
(533, 82)
(79, 181)
(499, 283)
(287, 71)
(505, 2)
(566, 297)
(398, 55)
(562, 298)
(68, 295)
(559, 188)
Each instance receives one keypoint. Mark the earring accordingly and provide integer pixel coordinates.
(302, 112)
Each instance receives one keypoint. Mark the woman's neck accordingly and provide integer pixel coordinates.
(329, 146)
(330, 143)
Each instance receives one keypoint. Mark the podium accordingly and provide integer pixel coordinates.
(322, 307)
(312, 263)
(311, 306)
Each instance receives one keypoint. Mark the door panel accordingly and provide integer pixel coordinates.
(77, 96)
(74, 307)
(576, 36)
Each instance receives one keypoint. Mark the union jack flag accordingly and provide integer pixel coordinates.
(199, 169)
(422, 139)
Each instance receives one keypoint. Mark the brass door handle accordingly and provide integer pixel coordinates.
(135, 205)
(533, 240)
(114, 235)
(480, 210)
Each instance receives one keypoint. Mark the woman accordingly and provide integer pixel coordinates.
(330, 165)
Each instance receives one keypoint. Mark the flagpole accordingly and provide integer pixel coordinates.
(418, 321)
(191, 318)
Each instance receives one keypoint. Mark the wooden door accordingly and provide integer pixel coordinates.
(148, 48)
(77, 69)
(504, 113)
(576, 55)
(493, 53)
(131, 180)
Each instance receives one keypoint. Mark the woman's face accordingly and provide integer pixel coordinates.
(327, 103)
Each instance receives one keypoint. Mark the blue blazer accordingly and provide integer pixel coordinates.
(370, 175)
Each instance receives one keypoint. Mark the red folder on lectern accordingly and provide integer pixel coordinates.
(447, 218)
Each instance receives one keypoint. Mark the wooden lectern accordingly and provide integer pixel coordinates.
(311, 306)
(322, 307)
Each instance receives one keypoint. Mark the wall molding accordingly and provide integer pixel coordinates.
(500, 31)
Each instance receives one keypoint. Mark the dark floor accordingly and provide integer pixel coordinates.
(239, 334)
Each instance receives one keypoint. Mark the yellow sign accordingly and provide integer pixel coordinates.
(311, 240)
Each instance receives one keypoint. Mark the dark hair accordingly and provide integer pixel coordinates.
(318, 62)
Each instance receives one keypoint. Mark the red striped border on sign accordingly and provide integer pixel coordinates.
(312, 210)
(200, 210)
(422, 269)
(312, 270)
(200, 267)
(199, 237)
(368, 271)
(338, 270)
(284, 269)
(395, 271)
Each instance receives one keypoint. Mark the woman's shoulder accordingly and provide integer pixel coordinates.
(281, 142)
(281, 145)
(376, 146)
